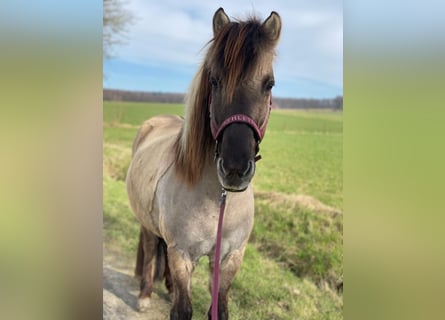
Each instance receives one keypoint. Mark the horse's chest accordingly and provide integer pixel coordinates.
(194, 228)
(201, 238)
(188, 219)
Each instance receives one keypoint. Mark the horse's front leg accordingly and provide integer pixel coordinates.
(181, 269)
(228, 269)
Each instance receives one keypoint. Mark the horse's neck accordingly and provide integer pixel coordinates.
(210, 176)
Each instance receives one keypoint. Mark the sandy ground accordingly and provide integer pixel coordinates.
(120, 290)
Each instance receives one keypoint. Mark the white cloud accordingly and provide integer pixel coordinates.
(312, 45)
(173, 33)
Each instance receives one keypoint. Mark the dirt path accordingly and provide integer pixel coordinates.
(120, 290)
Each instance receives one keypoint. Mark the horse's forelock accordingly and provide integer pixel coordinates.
(235, 52)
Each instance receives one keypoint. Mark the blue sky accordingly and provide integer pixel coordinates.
(165, 45)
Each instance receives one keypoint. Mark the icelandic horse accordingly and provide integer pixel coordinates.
(179, 166)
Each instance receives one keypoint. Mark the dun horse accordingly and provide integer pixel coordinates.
(179, 166)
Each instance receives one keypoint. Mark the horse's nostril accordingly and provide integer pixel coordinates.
(250, 165)
(236, 170)
(221, 166)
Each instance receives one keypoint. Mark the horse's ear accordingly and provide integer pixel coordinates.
(220, 19)
(272, 26)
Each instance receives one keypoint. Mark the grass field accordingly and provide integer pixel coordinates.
(294, 256)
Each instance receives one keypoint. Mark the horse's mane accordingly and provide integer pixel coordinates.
(233, 53)
(195, 141)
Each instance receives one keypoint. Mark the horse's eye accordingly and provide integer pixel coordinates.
(269, 85)
(214, 82)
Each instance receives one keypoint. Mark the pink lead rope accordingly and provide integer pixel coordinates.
(215, 286)
(216, 131)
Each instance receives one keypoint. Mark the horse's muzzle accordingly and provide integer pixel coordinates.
(235, 178)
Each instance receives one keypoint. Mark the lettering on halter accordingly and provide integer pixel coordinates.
(239, 118)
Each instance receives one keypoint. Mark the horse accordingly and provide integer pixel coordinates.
(180, 165)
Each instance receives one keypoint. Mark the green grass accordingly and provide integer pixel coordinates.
(306, 243)
(135, 113)
(302, 153)
(294, 256)
(120, 226)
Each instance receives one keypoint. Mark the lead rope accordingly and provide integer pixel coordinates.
(215, 286)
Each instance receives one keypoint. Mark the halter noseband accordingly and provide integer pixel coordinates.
(259, 131)
(242, 118)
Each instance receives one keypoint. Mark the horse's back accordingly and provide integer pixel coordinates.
(153, 154)
(155, 128)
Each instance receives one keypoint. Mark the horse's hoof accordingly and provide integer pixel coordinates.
(143, 304)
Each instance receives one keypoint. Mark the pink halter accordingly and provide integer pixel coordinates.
(241, 118)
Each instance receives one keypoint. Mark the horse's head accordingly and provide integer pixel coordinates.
(240, 76)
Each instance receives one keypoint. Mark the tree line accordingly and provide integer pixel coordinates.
(307, 103)
(283, 103)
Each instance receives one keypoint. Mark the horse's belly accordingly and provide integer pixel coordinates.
(152, 158)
